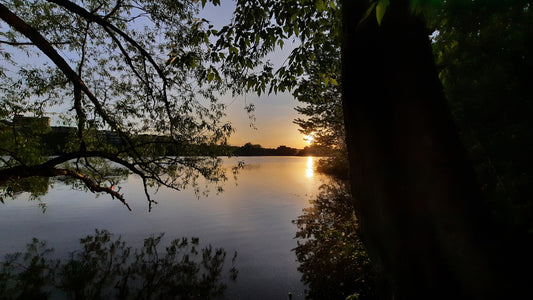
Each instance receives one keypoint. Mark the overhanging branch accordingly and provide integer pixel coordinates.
(91, 185)
(51, 168)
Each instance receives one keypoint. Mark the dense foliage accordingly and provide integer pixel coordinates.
(484, 52)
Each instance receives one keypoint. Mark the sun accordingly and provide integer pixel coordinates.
(309, 138)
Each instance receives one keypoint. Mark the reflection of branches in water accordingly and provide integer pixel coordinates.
(35, 186)
(108, 177)
(252, 166)
(108, 269)
(332, 258)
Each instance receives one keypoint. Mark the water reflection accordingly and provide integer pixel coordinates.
(105, 268)
(252, 216)
(332, 258)
(310, 169)
(34, 186)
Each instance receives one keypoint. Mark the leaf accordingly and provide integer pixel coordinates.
(381, 8)
(320, 5)
(367, 13)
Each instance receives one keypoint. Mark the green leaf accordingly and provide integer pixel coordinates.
(381, 8)
(320, 5)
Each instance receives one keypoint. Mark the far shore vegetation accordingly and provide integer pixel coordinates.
(55, 139)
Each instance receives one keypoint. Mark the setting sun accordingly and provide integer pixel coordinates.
(309, 138)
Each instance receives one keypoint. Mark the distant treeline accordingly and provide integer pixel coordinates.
(250, 149)
(57, 138)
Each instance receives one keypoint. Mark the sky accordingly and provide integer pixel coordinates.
(273, 121)
(274, 114)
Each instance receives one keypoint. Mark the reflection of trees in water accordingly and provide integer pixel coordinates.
(332, 258)
(108, 269)
(251, 166)
(36, 187)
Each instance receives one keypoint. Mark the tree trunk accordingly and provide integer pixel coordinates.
(420, 209)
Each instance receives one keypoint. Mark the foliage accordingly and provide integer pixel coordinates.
(123, 67)
(332, 257)
(484, 51)
(105, 268)
(242, 45)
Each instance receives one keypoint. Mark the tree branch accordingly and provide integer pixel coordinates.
(127, 57)
(76, 9)
(91, 185)
(49, 169)
(29, 43)
(114, 10)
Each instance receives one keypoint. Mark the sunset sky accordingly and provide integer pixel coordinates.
(273, 113)
(273, 121)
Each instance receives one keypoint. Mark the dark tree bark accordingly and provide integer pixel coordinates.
(421, 212)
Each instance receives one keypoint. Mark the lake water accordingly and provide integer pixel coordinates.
(252, 216)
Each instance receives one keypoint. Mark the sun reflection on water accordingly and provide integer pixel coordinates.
(309, 170)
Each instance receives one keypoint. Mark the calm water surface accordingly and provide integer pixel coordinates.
(252, 216)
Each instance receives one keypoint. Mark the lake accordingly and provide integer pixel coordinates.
(252, 217)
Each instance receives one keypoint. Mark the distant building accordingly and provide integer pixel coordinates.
(32, 124)
(63, 129)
